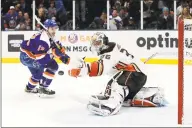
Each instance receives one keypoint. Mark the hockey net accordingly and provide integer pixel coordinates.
(184, 72)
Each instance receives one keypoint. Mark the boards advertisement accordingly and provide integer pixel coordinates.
(142, 44)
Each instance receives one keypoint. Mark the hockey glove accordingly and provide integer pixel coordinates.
(79, 69)
(65, 59)
(74, 72)
(58, 52)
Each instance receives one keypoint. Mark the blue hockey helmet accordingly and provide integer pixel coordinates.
(50, 23)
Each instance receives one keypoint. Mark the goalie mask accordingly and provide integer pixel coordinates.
(98, 42)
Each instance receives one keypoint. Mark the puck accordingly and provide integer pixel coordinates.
(61, 72)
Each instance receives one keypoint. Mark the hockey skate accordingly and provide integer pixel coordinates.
(45, 91)
(28, 90)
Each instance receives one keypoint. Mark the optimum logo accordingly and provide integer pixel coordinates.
(188, 43)
(14, 42)
(162, 41)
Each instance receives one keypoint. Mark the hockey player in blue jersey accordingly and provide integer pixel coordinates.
(38, 55)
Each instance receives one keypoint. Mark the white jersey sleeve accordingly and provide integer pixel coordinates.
(127, 61)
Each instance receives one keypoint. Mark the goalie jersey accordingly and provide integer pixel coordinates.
(113, 59)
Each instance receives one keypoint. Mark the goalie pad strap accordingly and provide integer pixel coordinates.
(143, 103)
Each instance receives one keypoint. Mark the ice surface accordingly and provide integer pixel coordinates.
(68, 107)
(187, 96)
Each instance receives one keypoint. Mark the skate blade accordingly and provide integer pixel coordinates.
(31, 93)
(46, 96)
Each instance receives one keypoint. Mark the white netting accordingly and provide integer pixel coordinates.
(187, 71)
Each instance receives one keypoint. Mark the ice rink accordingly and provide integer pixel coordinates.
(68, 107)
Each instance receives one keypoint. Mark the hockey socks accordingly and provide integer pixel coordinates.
(32, 83)
(46, 80)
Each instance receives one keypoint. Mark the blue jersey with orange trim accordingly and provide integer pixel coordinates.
(39, 48)
(37, 44)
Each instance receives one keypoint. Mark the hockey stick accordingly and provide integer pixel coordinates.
(149, 58)
(39, 22)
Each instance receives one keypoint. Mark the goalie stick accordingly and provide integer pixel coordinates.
(149, 58)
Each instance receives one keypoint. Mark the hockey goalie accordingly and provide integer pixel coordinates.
(125, 88)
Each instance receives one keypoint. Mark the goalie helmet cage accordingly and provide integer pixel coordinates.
(184, 42)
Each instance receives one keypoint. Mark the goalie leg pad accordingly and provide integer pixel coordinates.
(105, 106)
(101, 110)
(148, 97)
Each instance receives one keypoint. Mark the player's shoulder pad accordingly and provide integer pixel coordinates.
(44, 38)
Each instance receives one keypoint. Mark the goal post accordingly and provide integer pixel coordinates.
(184, 70)
(180, 68)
